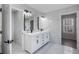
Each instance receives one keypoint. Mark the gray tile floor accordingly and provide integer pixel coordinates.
(16, 49)
(49, 48)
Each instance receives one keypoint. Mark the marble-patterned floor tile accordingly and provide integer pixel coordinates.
(49, 48)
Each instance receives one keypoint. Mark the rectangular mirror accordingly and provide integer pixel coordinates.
(28, 24)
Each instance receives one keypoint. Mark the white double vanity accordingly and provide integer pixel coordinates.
(34, 41)
(34, 35)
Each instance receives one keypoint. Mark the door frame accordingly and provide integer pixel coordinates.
(68, 13)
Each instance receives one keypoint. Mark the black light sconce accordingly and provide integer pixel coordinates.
(28, 13)
(43, 18)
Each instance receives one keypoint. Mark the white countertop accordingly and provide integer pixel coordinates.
(24, 32)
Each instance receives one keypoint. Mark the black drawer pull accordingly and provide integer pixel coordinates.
(37, 41)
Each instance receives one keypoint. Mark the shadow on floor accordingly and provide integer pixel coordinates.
(70, 43)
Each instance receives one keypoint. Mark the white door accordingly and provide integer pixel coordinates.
(7, 30)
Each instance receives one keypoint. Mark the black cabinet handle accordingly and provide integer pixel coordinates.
(37, 41)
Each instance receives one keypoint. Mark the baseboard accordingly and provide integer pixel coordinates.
(1, 53)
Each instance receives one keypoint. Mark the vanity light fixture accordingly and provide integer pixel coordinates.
(27, 13)
(43, 18)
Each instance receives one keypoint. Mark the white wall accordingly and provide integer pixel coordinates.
(55, 23)
(54, 27)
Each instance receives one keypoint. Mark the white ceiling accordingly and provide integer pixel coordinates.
(44, 8)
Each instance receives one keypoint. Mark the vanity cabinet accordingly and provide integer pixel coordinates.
(33, 41)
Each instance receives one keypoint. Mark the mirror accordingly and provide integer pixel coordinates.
(41, 20)
(28, 24)
(31, 25)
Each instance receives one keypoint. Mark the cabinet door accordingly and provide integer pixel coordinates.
(34, 44)
(43, 39)
(27, 42)
(38, 41)
(46, 37)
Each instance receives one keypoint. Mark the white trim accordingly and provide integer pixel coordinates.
(14, 8)
(10, 30)
(70, 12)
(65, 13)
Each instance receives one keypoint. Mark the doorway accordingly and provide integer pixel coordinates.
(68, 29)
